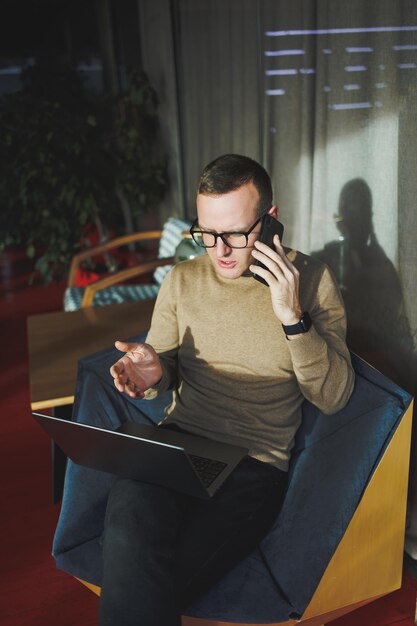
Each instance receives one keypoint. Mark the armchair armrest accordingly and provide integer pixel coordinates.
(118, 277)
(109, 245)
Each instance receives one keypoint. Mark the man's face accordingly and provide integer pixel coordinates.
(233, 211)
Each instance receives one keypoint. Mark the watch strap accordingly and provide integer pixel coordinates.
(303, 326)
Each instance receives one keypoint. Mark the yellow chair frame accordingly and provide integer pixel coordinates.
(368, 562)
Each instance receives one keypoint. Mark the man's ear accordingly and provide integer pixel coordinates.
(274, 211)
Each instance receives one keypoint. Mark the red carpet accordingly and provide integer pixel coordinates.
(32, 591)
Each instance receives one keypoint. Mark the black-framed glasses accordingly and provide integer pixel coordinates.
(232, 239)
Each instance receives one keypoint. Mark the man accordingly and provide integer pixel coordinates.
(240, 357)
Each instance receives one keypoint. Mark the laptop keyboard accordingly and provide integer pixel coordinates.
(207, 469)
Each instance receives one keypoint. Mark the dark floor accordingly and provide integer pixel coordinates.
(32, 591)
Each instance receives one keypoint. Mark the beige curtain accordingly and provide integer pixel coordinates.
(324, 94)
(220, 90)
(338, 97)
(340, 142)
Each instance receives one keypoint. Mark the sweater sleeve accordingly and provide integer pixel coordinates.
(320, 357)
(163, 336)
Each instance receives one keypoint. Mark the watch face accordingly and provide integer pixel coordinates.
(305, 322)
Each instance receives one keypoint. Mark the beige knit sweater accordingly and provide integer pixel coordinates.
(236, 378)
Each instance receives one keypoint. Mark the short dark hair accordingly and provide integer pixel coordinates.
(231, 171)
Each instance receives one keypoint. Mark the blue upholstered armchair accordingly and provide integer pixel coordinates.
(338, 541)
(111, 290)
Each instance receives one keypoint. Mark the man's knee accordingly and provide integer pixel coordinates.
(141, 511)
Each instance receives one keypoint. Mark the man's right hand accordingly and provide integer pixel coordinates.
(138, 370)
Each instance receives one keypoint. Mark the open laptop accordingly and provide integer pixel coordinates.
(193, 465)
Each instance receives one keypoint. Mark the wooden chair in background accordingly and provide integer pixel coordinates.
(111, 289)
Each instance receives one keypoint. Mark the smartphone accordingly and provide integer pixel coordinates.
(270, 227)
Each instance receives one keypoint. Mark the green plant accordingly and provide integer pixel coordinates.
(142, 172)
(65, 160)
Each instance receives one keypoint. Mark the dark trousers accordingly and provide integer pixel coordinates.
(163, 549)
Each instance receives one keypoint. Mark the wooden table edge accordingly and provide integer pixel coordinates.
(51, 403)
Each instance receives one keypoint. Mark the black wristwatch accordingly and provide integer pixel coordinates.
(303, 326)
